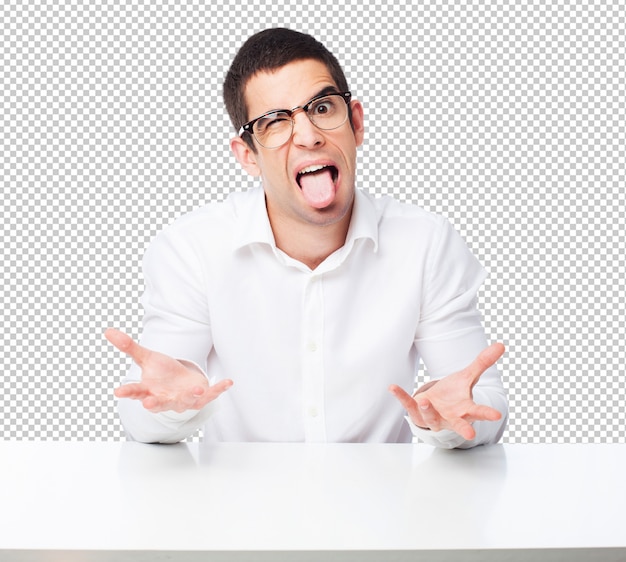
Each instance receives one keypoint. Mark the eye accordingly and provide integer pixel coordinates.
(270, 122)
(323, 107)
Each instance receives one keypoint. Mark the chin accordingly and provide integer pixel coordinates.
(335, 212)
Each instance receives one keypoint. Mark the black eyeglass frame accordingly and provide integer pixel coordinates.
(247, 127)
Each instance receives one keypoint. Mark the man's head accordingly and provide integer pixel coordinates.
(267, 51)
(293, 90)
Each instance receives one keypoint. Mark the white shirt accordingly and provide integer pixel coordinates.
(312, 352)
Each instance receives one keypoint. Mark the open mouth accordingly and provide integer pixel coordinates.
(315, 170)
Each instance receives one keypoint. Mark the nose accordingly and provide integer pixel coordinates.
(305, 134)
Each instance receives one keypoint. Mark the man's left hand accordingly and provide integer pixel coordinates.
(448, 402)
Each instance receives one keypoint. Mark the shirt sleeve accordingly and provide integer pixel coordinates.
(176, 323)
(450, 334)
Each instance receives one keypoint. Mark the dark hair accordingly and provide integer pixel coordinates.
(268, 50)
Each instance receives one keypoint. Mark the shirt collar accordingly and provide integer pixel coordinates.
(253, 225)
(364, 221)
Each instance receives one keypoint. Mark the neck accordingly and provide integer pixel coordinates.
(310, 243)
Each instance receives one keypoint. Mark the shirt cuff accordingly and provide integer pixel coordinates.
(444, 439)
(189, 363)
(172, 419)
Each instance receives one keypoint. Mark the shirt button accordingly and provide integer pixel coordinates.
(312, 346)
(313, 413)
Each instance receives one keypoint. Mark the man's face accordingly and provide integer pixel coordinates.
(320, 197)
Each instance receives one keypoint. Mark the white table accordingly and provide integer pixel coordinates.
(66, 502)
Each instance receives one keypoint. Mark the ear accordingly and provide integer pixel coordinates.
(245, 156)
(358, 125)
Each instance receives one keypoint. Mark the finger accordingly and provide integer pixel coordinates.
(463, 428)
(193, 399)
(429, 415)
(154, 404)
(485, 359)
(126, 345)
(219, 387)
(410, 405)
(200, 396)
(483, 413)
(137, 391)
(157, 404)
(407, 401)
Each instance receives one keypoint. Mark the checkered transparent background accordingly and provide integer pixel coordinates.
(506, 117)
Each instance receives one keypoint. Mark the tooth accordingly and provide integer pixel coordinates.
(313, 168)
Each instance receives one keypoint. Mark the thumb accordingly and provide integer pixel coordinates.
(485, 359)
(126, 345)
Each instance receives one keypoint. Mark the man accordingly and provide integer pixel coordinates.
(308, 297)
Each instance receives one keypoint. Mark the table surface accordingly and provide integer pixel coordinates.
(271, 501)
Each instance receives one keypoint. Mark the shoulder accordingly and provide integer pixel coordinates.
(414, 233)
(202, 235)
(210, 217)
(408, 220)
(211, 222)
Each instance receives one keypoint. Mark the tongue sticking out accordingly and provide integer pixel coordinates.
(318, 188)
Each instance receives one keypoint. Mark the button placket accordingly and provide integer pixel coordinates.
(313, 360)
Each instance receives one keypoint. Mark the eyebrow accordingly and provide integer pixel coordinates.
(327, 90)
(324, 91)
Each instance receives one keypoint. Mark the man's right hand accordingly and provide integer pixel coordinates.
(166, 383)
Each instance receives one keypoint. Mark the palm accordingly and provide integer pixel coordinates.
(168, 383)
(452, 396)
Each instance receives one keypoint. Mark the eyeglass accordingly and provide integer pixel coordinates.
(274, 128)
